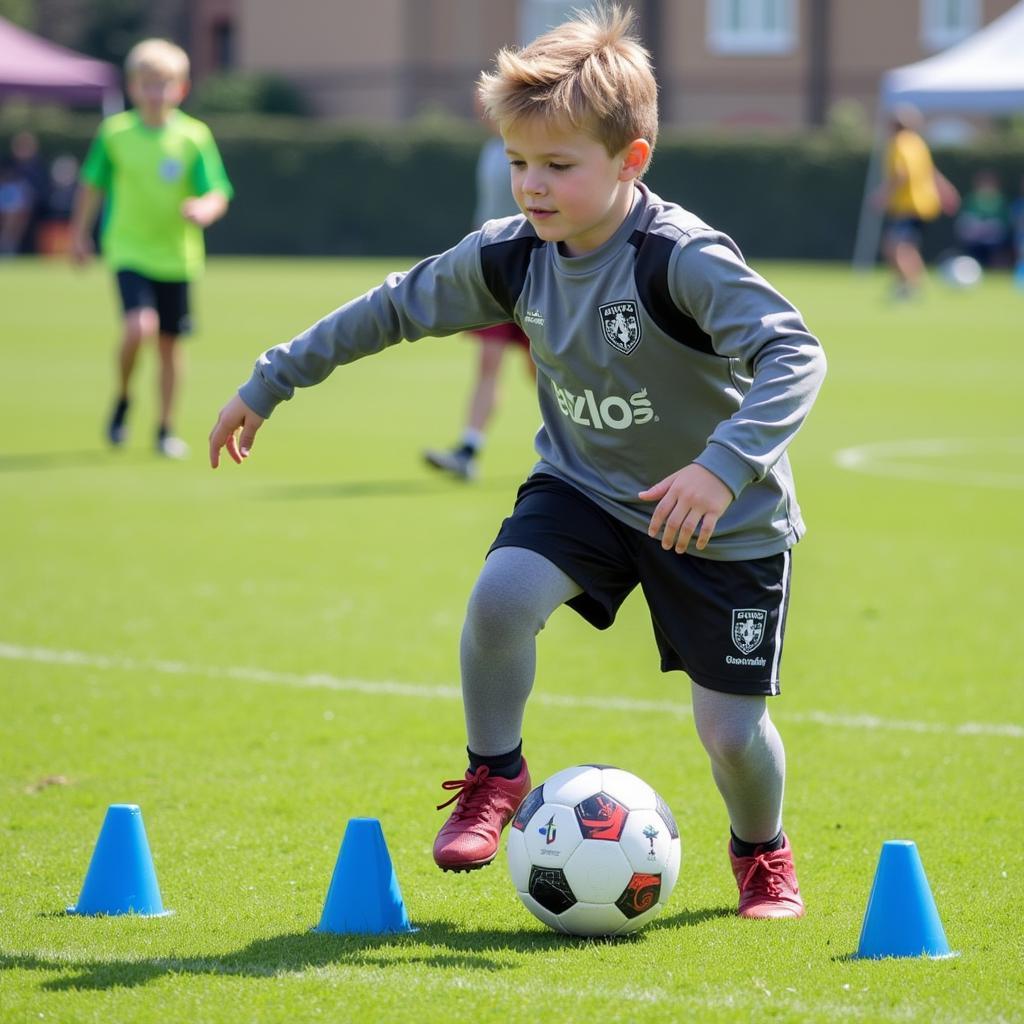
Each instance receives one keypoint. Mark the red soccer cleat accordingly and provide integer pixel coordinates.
(767, 883)
(486, 804)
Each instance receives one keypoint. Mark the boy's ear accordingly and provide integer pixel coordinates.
(634, 162)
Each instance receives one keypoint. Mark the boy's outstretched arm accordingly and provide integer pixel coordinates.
(441, 295)
(692, 496)
(234, 417)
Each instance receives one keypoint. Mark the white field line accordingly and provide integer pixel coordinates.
(922, 459)
(383, 687)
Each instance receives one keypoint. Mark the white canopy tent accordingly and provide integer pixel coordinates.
(982, 75)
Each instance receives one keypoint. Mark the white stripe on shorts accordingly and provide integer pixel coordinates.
(778, 623)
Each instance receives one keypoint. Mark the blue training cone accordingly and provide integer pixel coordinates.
(901, 918)
(364, 897)
(121, 878)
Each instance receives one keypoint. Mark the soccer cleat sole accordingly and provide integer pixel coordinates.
(772, 915)
(463, 868)
(444, 462)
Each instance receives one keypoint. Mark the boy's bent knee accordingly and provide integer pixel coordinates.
(499, 616)
(728, 744)
(730, 725)
(516, 592)
(139, 324)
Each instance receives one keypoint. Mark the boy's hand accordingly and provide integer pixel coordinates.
(82, 249)
(235, 416)
(204, 210)
(690, 497)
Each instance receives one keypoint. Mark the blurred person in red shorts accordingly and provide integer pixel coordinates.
(494, 202)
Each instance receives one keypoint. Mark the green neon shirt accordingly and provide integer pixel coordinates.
(147, 174)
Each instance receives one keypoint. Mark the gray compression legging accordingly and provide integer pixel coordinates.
(513, 598)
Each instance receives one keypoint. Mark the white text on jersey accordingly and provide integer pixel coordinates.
(614, 412)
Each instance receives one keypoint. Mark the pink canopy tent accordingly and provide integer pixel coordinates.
(35, 67)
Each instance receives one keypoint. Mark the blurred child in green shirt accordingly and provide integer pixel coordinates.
(983, 226)
(163, 180)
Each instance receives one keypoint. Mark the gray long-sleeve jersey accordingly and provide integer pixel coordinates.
(658, 349)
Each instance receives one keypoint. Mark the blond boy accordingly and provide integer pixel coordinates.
(670, 377)
(164, 182)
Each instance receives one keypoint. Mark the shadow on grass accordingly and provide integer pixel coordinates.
(435, 944)
(385, 488)
(690, 918)
(27, 462)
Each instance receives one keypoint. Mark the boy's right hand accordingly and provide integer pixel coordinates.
(82, 249)
(234, 417)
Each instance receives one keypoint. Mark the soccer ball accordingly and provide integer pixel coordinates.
(594, 851)
(961, 271)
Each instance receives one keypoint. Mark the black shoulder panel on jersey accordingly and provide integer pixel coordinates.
(651, 275)
(504, 267)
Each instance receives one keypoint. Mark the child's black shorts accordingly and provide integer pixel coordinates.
(168, 298)
(720, 622)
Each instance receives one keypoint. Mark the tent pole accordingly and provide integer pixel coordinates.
(869, 224)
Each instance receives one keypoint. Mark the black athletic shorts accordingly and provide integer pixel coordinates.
(168, 298)
(720, 622)
(904, 229)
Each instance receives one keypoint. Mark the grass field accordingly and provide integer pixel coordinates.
(256, 656)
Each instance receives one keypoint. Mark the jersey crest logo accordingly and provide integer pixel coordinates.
(170, 169)
(748, 628)
(620, 322)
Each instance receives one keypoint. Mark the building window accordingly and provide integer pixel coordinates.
(222, 44)
(537, 16)
(756, 27)
(945, 22)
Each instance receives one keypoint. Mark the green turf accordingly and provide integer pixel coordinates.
(334, 553)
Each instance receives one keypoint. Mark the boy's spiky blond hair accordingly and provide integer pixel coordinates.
(160, 56)
(590, 72)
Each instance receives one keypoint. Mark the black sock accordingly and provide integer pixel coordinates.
(506, 766)
(742, 849)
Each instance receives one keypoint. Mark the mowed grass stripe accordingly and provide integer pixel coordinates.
(385, 687)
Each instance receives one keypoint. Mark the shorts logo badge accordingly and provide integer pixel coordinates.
(620, 322)
(748, 628)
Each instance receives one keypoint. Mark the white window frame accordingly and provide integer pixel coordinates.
(752, 27)
(945, 22)
(537, 16)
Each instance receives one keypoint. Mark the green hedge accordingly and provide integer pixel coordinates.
(801, 198)
(312, 188)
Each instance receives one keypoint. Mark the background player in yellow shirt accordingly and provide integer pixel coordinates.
(912, 193)
(164, 181)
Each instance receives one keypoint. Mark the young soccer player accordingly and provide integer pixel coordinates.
(164, 182)
(671, 378)
(912, 193)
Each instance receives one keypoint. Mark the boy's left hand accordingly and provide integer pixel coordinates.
(204, 210)
(690, 497)
(235, 431)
